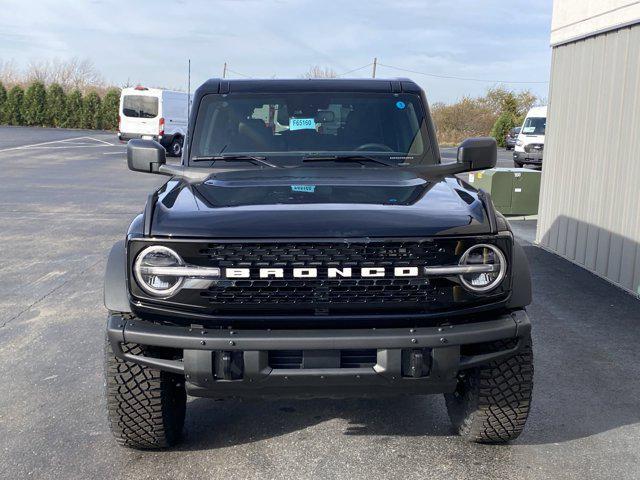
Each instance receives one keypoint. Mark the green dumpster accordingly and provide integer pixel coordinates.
(514, 191)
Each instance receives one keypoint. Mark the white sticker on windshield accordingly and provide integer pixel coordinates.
(302, 124)
(528, 129)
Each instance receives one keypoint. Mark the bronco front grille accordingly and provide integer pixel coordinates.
(324, 292)
(322, 295)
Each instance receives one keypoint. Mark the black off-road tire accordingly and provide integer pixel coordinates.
(146, 407)
(491, 403)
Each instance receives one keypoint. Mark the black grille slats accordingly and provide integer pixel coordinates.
(321, 291)
(358, 358)
(285, 359)
(345, 254)
(295, 359)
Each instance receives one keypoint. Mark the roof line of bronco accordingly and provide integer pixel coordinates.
(223, 85)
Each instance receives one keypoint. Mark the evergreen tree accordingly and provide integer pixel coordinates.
(91, 113)
(110, 109)
(3, 101)
(35, 105)
(510, 104)
(13, 106)
(73, 117)
(505, 122)
(56, 106)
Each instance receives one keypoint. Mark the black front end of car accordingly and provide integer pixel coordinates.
(314, 335)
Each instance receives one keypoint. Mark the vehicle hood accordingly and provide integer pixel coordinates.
(318, 203)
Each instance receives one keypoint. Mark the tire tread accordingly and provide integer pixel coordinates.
(493, 402)
(145, 406)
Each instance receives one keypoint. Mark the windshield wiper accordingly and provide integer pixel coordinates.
(235, 158)
(346, 158)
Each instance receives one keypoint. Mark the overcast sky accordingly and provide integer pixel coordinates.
(149, 42)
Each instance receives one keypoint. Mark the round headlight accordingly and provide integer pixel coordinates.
(148, 271)
(488, 268)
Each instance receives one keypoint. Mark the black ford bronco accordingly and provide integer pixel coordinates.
(312, 244)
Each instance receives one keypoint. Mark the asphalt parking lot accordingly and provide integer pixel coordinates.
(62, 205)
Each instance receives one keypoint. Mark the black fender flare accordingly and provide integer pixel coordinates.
(520, 279)
(116, 295)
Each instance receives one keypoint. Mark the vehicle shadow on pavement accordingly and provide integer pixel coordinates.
(586, 356)
(212, 424)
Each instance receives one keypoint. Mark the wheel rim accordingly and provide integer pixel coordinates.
(177, 149)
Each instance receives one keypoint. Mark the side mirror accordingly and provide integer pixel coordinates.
(145, 156)
(478, 153)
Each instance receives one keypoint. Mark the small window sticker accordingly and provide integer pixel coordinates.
(528, 129)
(400, 105)
(303, 188)
(302, 124)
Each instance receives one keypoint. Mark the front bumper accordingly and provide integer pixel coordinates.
(534, 158)
(206, 357)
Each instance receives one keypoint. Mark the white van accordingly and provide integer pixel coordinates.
(530, 142)
(155, 114)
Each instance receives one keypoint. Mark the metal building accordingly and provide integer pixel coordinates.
(590, 198)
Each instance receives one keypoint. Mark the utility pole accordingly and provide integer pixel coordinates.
(185, 143)
(375, 64)
(189, 91)
(224, 70)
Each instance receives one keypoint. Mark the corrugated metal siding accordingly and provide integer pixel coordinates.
(590, 198)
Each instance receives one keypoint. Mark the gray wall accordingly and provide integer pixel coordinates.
(590, 197)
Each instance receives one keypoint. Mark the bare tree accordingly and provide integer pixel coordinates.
(70, 74)
(319, 72)
(38, 71)
(9, 73)
(500, 98)
(76, 73)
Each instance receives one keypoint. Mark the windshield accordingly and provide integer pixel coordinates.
(139, 106)
(534, 126)
(291, 126)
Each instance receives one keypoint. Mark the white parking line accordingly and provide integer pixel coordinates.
(34, 146)
(103, 141)
(22, 147)
(71, 146)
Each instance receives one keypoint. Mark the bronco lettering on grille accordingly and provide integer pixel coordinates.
(313, 272)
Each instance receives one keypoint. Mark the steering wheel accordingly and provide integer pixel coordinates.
(374, 146)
